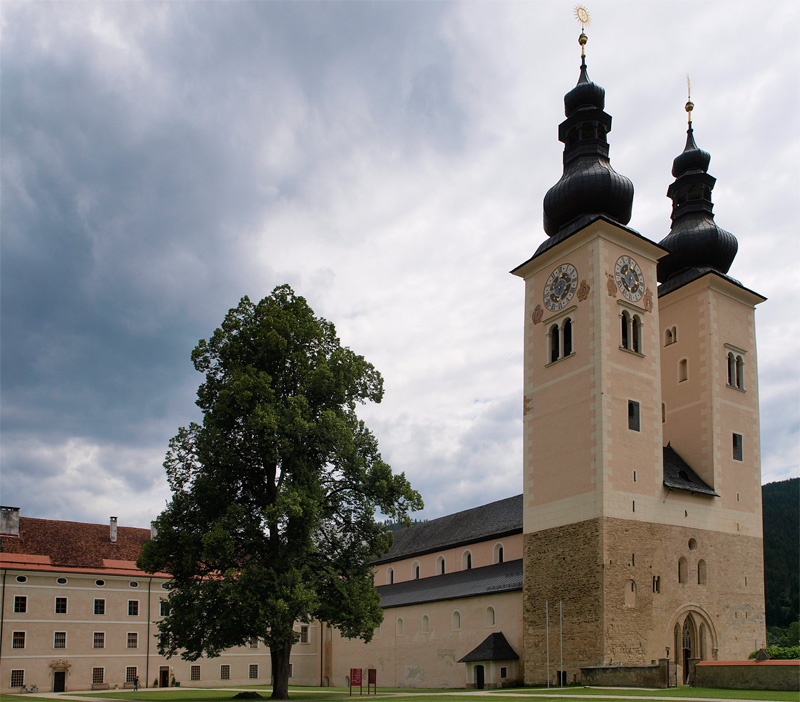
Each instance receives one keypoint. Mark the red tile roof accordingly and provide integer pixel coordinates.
(71, 545)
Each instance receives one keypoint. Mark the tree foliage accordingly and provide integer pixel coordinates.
(271, 520)
(781, 505)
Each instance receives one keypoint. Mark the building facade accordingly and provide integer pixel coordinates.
(77, 614)
(638, 534)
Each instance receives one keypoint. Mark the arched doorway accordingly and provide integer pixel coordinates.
(480, 681)
(691, 636)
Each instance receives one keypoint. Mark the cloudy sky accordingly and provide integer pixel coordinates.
(387, 159)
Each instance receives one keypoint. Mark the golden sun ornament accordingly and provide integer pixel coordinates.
(582, 15)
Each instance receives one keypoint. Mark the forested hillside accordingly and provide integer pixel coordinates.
(781, 505)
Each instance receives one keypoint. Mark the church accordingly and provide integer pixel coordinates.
(636, 542)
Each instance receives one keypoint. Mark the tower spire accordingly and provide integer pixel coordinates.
(589, 186)
(695, 243)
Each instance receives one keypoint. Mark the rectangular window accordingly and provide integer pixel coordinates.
(99, 640)
(60, 639)
(18, 639)
(17, 678)
(99, 606)
(61, 605)
(253, 671)
(194, 672)
(133, 640)
(20, 604)
(738, 448)
(633, 415)
(164, 608)
(133, 608)
(224, 672)
(291, 670)
(98, 675)
(254, 642)
(304, 634)
(503, 672)
(130, 673)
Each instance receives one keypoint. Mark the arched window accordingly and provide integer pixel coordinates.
(440, 567)
(498, 553)
(567, 333)
(390, 576)
(683, 370)
(636, 333)
(625, 320)
(735, 370)
(399, 627)
(466, 561)
(701, 572)
(630, 594)
(682, 570)
(560, 340)
(630, 332)
(456, 620)
(415, 570)
(656, 583)
(490, 616)
(670, 336)
(426, 623)
(555, 345)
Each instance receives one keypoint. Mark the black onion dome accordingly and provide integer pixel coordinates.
(692, 158)
(584, 94)
(695, 243)
(589, 186)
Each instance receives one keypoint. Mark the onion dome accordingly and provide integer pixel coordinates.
(589, 186)
(695, 243)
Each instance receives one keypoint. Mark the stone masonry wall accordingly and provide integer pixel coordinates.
(617, 581)
(562, 564)
(729, 604)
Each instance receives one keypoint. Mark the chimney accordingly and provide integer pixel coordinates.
(9, 521)
(113, 534)
(153, 530)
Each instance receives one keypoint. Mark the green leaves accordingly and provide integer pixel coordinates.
(272, 516)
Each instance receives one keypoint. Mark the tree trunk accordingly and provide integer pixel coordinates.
(279, 653)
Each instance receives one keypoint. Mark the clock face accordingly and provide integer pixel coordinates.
(560, 287)
(629, 278)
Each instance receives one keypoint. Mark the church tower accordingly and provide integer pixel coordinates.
(711, 421)
(624, 511)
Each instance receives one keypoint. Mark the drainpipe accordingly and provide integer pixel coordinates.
(147, 653)
(2, 612)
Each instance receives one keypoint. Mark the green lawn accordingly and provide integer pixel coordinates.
(305, 694)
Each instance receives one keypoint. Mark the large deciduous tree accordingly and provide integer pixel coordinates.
(272, 517)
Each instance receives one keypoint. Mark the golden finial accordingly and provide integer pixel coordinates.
(689, 103)
(582, 15)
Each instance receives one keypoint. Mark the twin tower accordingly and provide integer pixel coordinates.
(642, 489)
